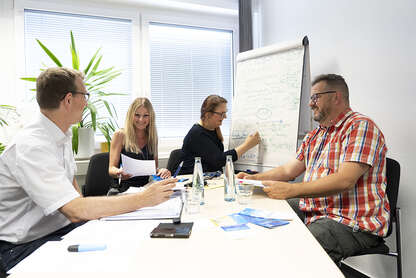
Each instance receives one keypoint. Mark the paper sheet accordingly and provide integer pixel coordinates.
(169, 209)
(253, 182)
(136, 167)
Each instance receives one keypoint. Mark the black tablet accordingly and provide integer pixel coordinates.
(172, 230)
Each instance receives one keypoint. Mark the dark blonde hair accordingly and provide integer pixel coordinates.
(130, 139)
(210, 103)
(53, 84)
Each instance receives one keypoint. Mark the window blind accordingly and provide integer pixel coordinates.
(187, 64)
(113, 35)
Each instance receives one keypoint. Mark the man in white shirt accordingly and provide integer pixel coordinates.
(39, 196)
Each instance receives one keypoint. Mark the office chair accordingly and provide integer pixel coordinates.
(97, 181)
(3, 273)
(392, 191)
(175, 158)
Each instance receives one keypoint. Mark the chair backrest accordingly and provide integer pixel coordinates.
(97, 181)
(392, 189)
(175, 158)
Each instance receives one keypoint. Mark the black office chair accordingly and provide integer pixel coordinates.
(3, 273)
(97, 181)
(392, 190)
(175, 158)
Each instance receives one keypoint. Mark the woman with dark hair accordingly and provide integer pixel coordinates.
(138, 140)
(205, 139)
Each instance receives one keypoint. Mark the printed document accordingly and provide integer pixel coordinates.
(136, 167)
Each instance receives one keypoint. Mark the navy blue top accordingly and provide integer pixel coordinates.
(204, 143)
(141, 180)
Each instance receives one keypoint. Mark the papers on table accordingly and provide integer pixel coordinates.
(136, 167)
(172, 208)
(253, 182)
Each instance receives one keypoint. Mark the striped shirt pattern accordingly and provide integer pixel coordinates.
(353, 138)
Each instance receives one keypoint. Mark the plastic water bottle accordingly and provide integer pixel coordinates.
(229, 180)
(198, 180)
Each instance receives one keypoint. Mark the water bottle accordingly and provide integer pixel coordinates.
(229, 180)
(198, 180)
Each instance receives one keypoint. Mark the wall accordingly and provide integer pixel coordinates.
(372, 44)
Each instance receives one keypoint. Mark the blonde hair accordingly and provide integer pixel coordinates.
(130, 139)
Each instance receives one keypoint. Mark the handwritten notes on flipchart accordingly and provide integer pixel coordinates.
(267, 99)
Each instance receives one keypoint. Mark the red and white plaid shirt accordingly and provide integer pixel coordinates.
(353, 138)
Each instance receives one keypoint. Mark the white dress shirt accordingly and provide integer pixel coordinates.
(36, 175)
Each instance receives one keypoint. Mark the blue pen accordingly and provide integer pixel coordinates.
(177, 170)
(86, 247)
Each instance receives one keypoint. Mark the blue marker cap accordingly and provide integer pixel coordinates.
(86, 247)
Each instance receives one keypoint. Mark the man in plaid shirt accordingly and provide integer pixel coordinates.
(343, 197)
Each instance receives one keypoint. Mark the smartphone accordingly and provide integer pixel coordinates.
(172, 230)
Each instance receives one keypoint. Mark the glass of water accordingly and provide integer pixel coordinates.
(244, 192)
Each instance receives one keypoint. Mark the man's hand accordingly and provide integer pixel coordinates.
(158, 192)
(279, 190)
(244, 175)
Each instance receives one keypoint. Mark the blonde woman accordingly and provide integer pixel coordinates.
(138, 140)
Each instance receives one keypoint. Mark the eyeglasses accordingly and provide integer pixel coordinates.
(222, 114)
(314, 97)
(86, 95)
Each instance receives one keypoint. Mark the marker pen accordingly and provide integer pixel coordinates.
(86, 247)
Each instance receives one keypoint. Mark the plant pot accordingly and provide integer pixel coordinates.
(85, 143)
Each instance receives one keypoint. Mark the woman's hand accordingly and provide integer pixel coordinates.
(253, 140)
(124, 175)
(164, 173)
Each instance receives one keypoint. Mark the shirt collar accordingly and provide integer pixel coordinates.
(56, 133)
(340, 118)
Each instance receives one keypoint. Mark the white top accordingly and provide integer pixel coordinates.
(36, 175)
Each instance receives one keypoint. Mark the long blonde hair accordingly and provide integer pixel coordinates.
(130, 138)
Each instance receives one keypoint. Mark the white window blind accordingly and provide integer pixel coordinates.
(113, 35)
(188, 64)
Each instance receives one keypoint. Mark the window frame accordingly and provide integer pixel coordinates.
(140, 15)
(167, 144)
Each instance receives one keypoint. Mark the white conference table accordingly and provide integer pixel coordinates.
(285, 251)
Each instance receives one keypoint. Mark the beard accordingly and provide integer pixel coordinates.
(321, 115)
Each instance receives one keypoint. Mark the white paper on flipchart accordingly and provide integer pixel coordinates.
(136, 167)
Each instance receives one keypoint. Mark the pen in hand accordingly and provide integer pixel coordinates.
(177, 170)
(119, 175)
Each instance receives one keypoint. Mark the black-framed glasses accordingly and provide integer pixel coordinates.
(222, 114)
(86, 95)
(315, 97)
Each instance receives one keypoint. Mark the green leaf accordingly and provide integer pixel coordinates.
(108, 107)
(50, 54)
(75, 139)
(31, 79)
(91, 61)
(108, 79)
(95, 67)
(75, 57)
(93, 114)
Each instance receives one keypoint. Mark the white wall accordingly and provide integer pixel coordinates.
(372, 44)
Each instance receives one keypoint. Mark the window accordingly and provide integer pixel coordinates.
(186, 65)
(113, 35)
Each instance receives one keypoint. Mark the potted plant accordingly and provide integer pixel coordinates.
(3, 121)
(95, 80)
